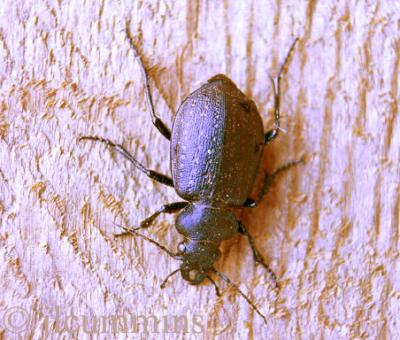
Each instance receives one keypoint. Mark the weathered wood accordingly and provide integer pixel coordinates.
(329, 228)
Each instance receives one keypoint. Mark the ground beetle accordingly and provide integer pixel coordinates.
(217, 141)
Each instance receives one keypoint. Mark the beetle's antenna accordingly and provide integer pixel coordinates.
(134, 232)
(227, 280)
(169, 275)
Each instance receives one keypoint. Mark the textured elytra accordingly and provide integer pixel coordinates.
(217, 142)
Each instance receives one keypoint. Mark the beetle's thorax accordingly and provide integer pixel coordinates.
(202, 222)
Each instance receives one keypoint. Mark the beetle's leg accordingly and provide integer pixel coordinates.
(162, 286)
(269, 178)
(167, 209)
(121, 149)
(134, 232)
(256, 254)
(158, 123)
(250, 203)
(272, 134)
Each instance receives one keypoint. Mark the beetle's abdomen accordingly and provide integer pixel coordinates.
(216, 144)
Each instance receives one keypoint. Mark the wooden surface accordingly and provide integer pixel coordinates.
(328, 228)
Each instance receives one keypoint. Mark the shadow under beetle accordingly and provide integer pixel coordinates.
(217, 141)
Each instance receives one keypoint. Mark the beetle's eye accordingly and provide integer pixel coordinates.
(181, 247)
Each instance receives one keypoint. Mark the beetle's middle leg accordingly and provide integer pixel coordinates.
(166, 208)
(256, 254)
(122, 150)
(272, 134)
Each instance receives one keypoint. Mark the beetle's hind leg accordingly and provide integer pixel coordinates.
(157, 122)
(166, 208)
(122, 150)
(269, 178)
(256, 254)
(276, 85)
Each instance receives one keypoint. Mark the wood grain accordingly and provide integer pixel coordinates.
(328, 228)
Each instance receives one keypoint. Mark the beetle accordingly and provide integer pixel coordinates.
(216, 146)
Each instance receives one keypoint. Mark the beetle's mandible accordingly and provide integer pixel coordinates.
(216, 141)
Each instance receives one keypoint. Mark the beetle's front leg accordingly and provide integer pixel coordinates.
(166, 208)
(256, 254)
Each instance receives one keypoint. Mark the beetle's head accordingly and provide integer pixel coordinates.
(197, 258)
